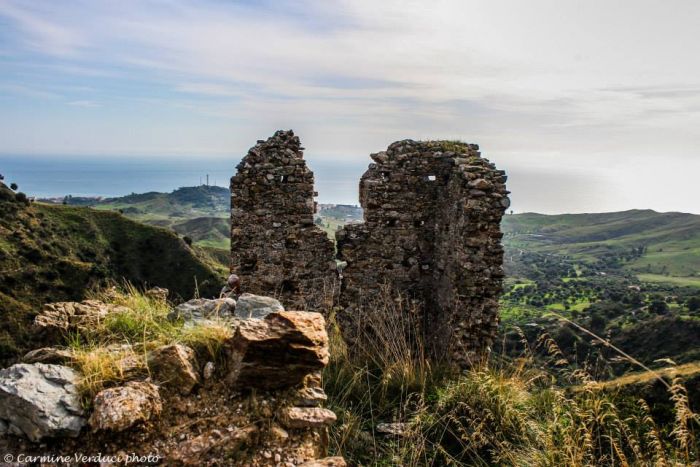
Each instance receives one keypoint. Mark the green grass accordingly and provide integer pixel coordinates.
(681, 281)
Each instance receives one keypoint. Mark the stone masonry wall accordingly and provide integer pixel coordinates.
(275, 246)
(431, 234)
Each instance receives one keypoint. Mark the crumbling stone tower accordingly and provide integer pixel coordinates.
(432, 214)
(275, 246)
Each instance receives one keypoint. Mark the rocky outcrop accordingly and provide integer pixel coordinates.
(260, 404)
(40, 401)
(278, 351)
(431, 238)
(275, 247)
(116, 409)
(174, 367)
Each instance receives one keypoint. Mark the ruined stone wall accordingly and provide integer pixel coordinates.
(431, 235)
(275, 246)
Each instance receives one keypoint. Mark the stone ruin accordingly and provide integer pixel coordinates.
(431, 239)
(431, 235)
(275, 246)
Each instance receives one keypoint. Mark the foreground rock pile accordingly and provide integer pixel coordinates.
(275, 246)
(259, 403)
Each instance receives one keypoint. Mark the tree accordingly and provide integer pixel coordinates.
(13, 186)
(22, 198)
(658, 306)
(187, 240)
(693, 303)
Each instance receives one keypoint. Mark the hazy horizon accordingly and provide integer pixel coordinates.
(589, 107)
(337, 183)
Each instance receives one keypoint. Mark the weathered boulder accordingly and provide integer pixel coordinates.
(256, 306)
(200, 309)
(277, 351)
(306, 417)
(174, 366)
(117, 409)
(62, 317)
(40, 401)
(48, 355)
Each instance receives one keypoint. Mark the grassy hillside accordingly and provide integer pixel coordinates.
(631, 276)
(165, 209)
(211, 232)
(641, 242)
(52, 253)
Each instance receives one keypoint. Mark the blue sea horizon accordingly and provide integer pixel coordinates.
(111, 176)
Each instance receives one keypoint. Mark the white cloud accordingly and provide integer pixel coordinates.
(618, 80)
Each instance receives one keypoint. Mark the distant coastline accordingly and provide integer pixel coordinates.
(110, 176)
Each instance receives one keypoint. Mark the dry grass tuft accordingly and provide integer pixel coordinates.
(506, 412)
(115, 350)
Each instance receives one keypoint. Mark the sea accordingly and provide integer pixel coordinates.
(111, 176)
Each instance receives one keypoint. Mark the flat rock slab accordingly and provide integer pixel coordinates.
(306, 417)
(39, 400)
(200, 309)
(48, 355)
(256, 306)
(326, 462)
(396, 429)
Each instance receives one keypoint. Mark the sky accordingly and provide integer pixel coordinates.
(589, 106)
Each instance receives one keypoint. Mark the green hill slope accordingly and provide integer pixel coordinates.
(165, 209)
(52, 253)
(638, 241)
(213, 232)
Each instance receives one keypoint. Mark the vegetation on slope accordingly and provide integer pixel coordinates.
(638, 241)
(53, 253)
(212, 232)
(508, 411)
